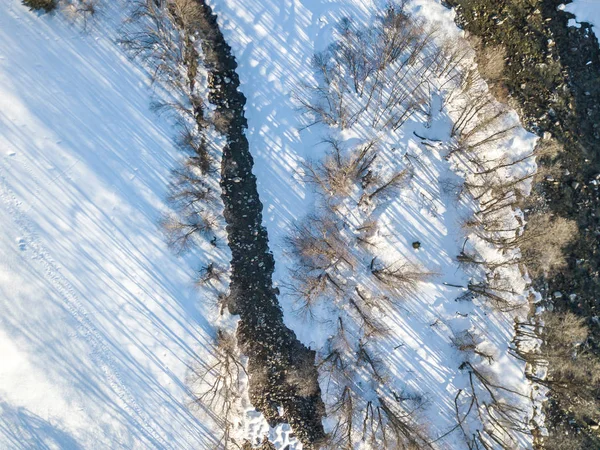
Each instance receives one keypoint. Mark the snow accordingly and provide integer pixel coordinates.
(271, 67)
(99, 324)
(584, 11)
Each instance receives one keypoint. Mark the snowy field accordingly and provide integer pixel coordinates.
(99, 322)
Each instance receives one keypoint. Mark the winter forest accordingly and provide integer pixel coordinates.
(300, 224)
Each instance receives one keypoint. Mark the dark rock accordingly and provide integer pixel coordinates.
(272, 349)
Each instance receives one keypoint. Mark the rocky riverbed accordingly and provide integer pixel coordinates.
(281, 369)
(552, 77)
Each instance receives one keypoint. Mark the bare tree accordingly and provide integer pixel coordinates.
(475, 105)
(195, 144)
(366, 231)
(209, 273)
(218, 384)
(319, 244)
(400, 277)
(157, 42)
(337, 174)
(395, 182)
(190, 190)
(320, 250)
(380, 72)
(496, 291)
(383, 418)
(495, 407)
(181, 231)
(470, 344)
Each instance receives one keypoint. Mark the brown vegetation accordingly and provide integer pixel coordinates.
(543, 243)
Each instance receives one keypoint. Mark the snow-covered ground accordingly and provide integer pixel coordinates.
(585, 11)
(99, 322)
(274, 42)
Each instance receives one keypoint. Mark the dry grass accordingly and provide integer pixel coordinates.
(544, 241)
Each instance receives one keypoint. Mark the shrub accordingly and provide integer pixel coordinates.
(46, 5)
(574, 371)
(80, 10)
(548, 147)
(543, 243)
(573, 376)
(491, 61)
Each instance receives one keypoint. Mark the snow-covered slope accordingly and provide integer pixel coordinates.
(585, 11)
(98, 320)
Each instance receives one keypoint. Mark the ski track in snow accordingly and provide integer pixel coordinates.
(99, 323)
(101, 354)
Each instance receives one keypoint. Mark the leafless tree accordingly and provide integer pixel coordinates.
(217, 386)
(364, 307)
(320, 250)
(454, 54)
(210, 272)
(181, 231)
(476, 104)
(468, 343)
(400, 277)
(381, 71)
(318, 244)
(196, 145)
(366, 232)
(495, 291)
(471, 258)
(485, 402)
(384, 418)
(156, 41)
(390, 185)
(338, 173)
(190, 190)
